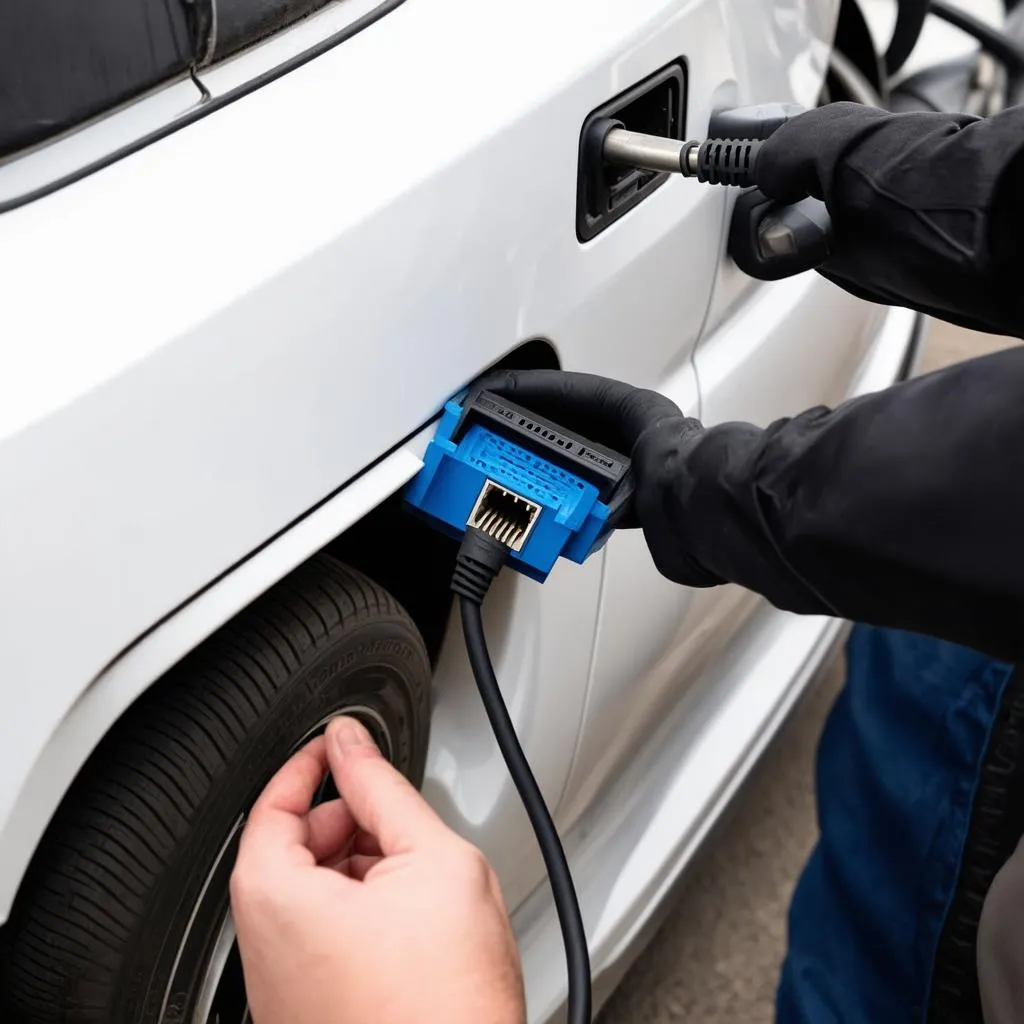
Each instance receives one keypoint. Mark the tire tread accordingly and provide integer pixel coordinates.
(128, 810)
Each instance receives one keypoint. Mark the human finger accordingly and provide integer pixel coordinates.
(331, 827)
(278, 825)
(356, 866)
(384, 803)
(365, 843)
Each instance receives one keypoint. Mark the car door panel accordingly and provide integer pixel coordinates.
(759, 359)
(212, 411)
(770, 360)
(628, 304)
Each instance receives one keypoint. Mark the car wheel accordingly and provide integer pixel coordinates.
(124, 916)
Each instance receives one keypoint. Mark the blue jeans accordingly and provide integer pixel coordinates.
(896, 775)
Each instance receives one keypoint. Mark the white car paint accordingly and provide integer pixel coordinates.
(218, 353)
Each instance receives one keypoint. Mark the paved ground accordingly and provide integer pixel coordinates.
(715, 961)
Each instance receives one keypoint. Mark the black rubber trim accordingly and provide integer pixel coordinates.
(210, 107)
(593, 214)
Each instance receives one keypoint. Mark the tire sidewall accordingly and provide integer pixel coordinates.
(380, 664)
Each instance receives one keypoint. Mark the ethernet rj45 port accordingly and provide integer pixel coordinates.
(504, 515)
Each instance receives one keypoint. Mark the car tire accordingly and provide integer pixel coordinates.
(123, 916)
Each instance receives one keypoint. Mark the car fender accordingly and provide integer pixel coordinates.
(79, 727)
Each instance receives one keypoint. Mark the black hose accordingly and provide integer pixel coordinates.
(566, 903)
(853, 39)
(910, 18)
(854, 84)
(997, 43)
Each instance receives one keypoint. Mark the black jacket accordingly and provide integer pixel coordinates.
(902, 508)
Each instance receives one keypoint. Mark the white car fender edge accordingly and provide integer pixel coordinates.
(140, 665)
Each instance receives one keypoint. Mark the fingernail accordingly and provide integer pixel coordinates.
(346, 733)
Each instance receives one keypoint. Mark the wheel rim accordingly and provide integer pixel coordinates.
(220, 994)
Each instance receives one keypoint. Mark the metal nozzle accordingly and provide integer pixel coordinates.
(714, 161)
(652, 152)
(648, 152)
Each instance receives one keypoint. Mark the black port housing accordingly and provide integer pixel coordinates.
(605, 191)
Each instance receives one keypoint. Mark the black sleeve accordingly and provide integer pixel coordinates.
(928, 209)
(903, 508)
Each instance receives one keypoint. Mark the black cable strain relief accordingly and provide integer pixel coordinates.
(471, 579)
(728, 161)
(479, 560)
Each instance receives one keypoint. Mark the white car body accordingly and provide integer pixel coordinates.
(223, 350)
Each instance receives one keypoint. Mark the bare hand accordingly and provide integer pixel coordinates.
(367, 909)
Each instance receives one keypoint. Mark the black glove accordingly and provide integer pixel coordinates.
(609, 412)
(642, 424)
(927, 209)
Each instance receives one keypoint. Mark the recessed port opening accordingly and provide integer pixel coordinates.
(504, 515)
(654, 113)
(606, 191)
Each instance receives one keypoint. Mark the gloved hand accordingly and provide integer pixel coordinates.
(926, 208)
(367, 909)
(609, 412)
(802, 157)
(643, 424)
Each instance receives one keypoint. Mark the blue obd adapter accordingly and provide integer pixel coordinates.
(519, 490)
(538, 489)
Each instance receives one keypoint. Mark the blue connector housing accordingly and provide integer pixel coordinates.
(558, 513)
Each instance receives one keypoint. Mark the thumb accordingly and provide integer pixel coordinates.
(382, 801)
